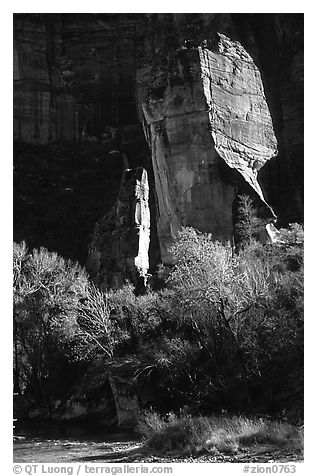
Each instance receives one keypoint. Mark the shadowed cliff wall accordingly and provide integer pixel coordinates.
(76, 75)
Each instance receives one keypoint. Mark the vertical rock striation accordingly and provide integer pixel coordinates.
(239, 116)
(175, 125)
(119, 250)
(74, 74)
(207, 114)
(199, 96)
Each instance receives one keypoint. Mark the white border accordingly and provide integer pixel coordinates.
(6, 117)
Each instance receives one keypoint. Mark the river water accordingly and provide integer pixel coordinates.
(57, 443)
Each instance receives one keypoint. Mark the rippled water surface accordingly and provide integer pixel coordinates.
(61, 443)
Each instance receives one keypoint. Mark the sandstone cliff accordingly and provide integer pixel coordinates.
(200, 97)
(119, 250)
(211, 114)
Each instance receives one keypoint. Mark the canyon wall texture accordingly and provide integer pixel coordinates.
(189, 97)
(209, 113)
(119, 250)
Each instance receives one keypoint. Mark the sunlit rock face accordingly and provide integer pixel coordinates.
(239, 117)
(185, 164)
(198, 94)
(207, 114)
(119, 250)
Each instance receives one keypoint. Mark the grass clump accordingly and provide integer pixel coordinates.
(151, 422)
(280, 434)
(216, 434)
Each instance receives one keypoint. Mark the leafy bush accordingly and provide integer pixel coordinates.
(226, 332)
(236, 324)
(47, 291)
(294, 234)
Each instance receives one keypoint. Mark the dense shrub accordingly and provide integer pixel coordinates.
(237, 326)
(47, 290)
(225, 332)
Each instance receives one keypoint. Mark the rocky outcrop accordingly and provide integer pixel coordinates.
(275, 42)
(119, 250)
(239, 116)
(84, 84)
(125, 394)
(211, 115)
(79, 76)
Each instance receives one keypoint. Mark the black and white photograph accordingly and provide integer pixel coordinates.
(158, 228)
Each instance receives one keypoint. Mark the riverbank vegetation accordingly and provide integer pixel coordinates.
(217, 434)
(224, 334)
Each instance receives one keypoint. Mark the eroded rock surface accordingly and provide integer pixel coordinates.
(241, 124)
(76, 76)
(119, 250)
(73, 75)
(121, 378)
(209, 113)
